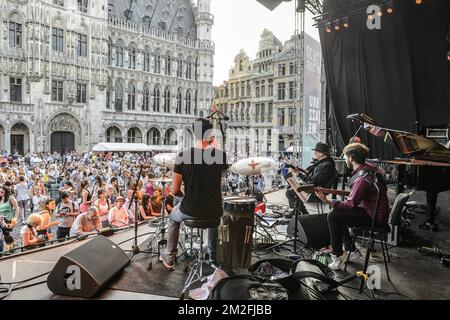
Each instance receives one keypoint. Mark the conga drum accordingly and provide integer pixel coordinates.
(235, 233)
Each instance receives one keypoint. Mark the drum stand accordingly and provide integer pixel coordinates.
(159, 238)
(259, 221)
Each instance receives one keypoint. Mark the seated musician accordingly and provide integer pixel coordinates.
(358, 209)
(200, 169)
(321, 174)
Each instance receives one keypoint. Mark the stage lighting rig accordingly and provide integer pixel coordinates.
(314, 6)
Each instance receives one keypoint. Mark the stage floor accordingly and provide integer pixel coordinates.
(413, 275)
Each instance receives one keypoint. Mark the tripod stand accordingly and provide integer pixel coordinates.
(296, 252)
(135, 248)
(159, 238)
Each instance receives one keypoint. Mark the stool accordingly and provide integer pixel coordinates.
(196, 273)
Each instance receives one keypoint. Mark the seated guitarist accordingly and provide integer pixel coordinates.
(321, 174)
(358, 209)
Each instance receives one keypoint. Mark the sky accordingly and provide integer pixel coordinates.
(238, 24)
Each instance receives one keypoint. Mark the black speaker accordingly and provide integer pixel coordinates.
(312, 230)
(83, 272)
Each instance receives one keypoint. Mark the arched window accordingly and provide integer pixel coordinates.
(180, 66)
(119, 96)
(179, 101)
(196, 69)
(131, 96)
(132, 56)
(170, 138)
(119, 53)
(168, 64)
(156, 99)
(147, 59)
(114, 135)
(196, 102)
(146, 102)
(157, 64)
(189, 68)
(109, 52)
(108, 93)
(167, 100)
(15, 31)
(134, 135)
(187, 106)
(154, 137)
(188, 139)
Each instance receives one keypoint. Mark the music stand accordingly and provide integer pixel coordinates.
(300, 197)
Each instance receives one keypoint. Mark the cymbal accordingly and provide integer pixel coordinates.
(165, 159)
(253, 166)
(161, 180)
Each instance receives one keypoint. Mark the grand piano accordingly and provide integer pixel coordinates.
(426, 168)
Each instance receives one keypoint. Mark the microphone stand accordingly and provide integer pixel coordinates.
(135, 248)
(221, 118)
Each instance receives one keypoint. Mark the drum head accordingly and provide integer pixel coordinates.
(239, 204)
(239, 200)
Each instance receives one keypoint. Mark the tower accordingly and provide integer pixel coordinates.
(205, 63)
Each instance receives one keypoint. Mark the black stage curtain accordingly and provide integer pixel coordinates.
(399, 74)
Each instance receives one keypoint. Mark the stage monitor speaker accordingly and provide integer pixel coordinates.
(83, 272)
(312, 230)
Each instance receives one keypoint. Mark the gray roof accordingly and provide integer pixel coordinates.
(160, 13)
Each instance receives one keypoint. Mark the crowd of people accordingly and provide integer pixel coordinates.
(45, 196)
(53, 197)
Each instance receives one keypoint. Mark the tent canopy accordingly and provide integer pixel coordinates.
(121, 147)
(159, 148)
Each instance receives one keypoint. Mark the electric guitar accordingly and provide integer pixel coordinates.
(304, 191)
(310, 188)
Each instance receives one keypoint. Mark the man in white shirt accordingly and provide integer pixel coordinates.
(85, 223)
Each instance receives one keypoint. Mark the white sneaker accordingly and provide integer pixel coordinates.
(337, 262)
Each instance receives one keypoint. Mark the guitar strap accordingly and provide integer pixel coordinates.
(360, 173)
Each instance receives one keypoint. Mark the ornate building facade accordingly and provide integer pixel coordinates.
(77, 72)
(260, 125)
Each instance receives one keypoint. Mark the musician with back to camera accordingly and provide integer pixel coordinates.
(321, 174)
(200, 169)
(359, 207)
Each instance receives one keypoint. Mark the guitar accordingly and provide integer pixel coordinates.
(304, 191)
(291, 166)
(310, 188)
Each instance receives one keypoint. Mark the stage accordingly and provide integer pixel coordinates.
(414, 275)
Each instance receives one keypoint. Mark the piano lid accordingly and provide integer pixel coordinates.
(410, 144)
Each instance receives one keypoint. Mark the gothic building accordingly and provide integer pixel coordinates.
(77, 72)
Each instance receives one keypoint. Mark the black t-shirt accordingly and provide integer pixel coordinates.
(202, 173)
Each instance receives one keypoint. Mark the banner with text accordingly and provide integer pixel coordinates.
(312, 98)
